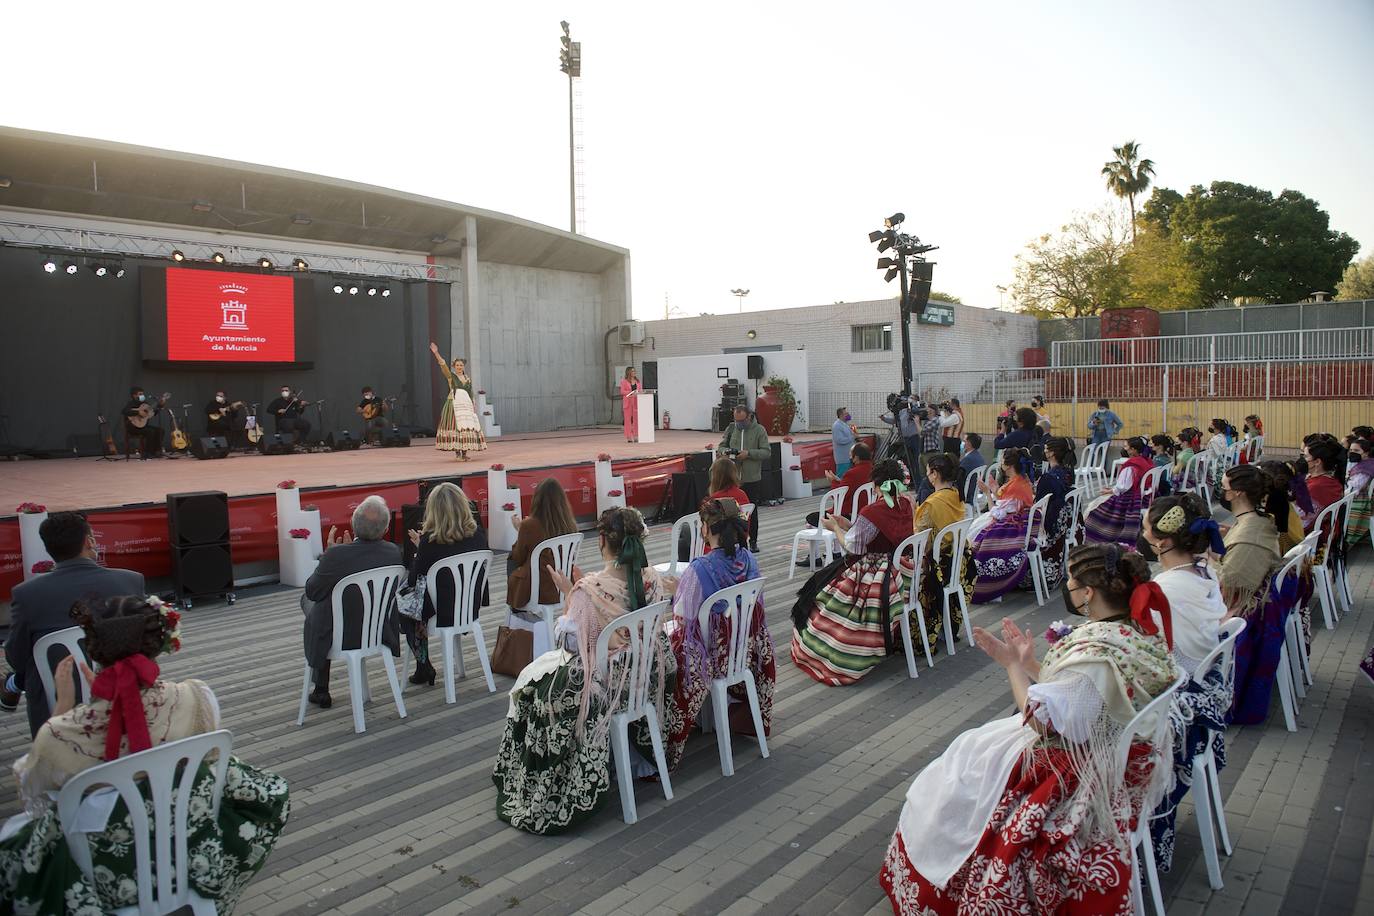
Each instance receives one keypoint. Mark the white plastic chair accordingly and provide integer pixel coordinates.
(72, 639)
(1116, 470)
(468, 571)
(958, 539)
(740, 601)
(1149, 485)
(971, 494)
(1074, 500)
(819, 538)
(1206, 787)
(1031, 545)
(377, 588)
(692, 525)
(564, 549)
(170, 795)
(1255, 446)
(1283, 675)
(642, 627)
(1294, 637)
(1328, 573)
(988, 473)
(1142, 847)
(863, 495)
(911, 602)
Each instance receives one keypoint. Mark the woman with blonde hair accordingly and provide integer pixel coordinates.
(449, 528)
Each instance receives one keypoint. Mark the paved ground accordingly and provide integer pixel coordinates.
(401, 819)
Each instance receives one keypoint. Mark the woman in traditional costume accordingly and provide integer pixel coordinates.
(1055, 483)
(460, 429)
(939, 510)
(701, 656)
(1033, 813)
(1115, 517)
(846, 614)
(1360, 474)
(999, 536)
(131, 710)
(553, 767)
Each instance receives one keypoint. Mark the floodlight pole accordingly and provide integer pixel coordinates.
(904, 317)
(572, 161)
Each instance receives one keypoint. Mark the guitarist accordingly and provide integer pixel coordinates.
(221, 418)
(149, 437)
(373, 411)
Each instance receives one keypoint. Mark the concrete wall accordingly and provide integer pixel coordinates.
(836, 375)
(689, 386)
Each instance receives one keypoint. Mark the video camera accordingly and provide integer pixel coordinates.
(896, 402)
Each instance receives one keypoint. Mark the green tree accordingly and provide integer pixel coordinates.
(945, 297)
(1245, 243)
(1128, 175)
(1159, 274)
(1358, 282)
(1078, 271)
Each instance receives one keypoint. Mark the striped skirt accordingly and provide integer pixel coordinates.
(1000, 558)
(1357, 522)
(843, 636)
(1115, 521)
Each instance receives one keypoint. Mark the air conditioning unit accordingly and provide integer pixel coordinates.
(631, 333)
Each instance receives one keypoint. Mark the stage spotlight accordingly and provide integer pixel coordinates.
(50, 266)
(100, 270)
(884, 263)
(177, 255)
(884, 245)
(372, 290)
(70, 267)
(119, 273)
(386, 293)
(338, 289)
(752, 334)
(894, 220)
(353, 289)
(265, 263)
(217, 257)
(875, 235)
(299, 264)
(890, 275)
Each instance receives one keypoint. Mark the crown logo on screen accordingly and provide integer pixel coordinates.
(235, 311)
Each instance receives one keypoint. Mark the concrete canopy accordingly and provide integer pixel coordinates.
(75, 175)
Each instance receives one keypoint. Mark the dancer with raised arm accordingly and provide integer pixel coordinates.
(460, 429)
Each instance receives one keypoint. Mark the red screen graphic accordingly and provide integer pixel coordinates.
(215, 316)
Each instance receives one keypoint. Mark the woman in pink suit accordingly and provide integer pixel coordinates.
(629, 387)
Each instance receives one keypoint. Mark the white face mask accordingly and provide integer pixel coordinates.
(286, 393)
(142, 398)
(368, 396)
(219, 398)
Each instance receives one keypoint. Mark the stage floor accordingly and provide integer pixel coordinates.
(92, 483)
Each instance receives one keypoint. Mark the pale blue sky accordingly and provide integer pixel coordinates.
(738, 144)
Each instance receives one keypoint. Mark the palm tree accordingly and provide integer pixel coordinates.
(1128, 175)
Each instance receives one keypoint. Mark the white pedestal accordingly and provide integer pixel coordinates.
(288, 504)
(500, 532)
(297, 564)
(794, 485)
(487, 415)
(644, 405)
(605, 483)
(297, 556)
(30, 544)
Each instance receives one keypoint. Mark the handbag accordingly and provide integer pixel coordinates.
(514, 650)
(412, 603)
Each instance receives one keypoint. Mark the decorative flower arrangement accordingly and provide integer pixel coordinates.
(299, 533)
(31, 509)
(286, 485)
(310, 508)
(614, 493)
(42, 566)
(604, 456)
(498, 467)
(171, 624)
(1057, 631)
(796, 467)
(481, 391)
(788, 439)
(509, 507)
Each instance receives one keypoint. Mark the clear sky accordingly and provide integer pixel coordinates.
(742, 144)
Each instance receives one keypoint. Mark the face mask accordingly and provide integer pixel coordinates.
(285, 393)
(142, 397)
(1144, 548)
(1068, 605)
(1225, 503)
(1125, 454)
(847, 418)
(368, 396)
(219, 398)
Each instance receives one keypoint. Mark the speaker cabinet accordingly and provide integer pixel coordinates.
(207, 447)
(395, 437)
(648, 374)
(277, 443)
(424, 486)
(755, 367)
(343, 441)
(699, 462)
(198, 533)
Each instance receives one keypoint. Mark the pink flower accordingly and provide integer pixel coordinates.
(31, 509)
(787, 439)
(614, 493)
(604, 456)
(42, 566)
(299, 534)
(481, 391)
(498, 467)
(486, 413)
(509, 507)
(286, 485)
(1057, 631)
(708, 447)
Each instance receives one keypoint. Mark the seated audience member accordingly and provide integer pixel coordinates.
(1325, 471)
(43, 604)
(132, 709)
(701, 656)
(553, 769)
(1115, 517)
(1055, 483)
(344, 556)
(1165, 450)
(724, 482)
(846, 615)
(1280, 504)
(1014, 811)
(998, 536)
(449, 529)
(1357, 480)
(860, 472)
(551, 516)
(970, 460)
(938, 511)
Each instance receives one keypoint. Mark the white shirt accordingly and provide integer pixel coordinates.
(1196, 610)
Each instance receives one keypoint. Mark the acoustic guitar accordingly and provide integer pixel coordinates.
(107, 440)
(146, 412)
(373, 409)
(251, 428)
(179, 440)
(227, 409)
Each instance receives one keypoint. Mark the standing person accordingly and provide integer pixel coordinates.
(630, 387)
(373, 411)
(288, 409)
(1103, 424)
(841, 440)
(746, 442)
(551, 516)
(957, 430)
(949, 423)
(148, 437)
(449, 528)
(905, 421)
(931, 437)
(43, 604)
(460, 429)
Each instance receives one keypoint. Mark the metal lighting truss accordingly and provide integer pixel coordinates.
(105, 243)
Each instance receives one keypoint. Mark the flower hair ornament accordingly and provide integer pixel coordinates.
(122, 682)
(171, 624)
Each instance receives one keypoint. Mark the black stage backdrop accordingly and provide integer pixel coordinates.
(70, 348)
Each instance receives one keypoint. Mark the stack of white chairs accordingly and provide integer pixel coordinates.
(819, 539)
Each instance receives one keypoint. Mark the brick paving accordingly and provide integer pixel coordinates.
(402, 818)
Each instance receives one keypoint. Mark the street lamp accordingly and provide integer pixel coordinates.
(905, 258)
(570, 62)
(1001, 291)
(740, 294)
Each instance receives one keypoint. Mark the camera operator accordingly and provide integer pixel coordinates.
(746, 443)
(900, 413)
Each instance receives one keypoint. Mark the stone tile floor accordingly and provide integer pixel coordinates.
(401, 819)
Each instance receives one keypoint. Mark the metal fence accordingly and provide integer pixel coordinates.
(1293, 316)
(1330, 343)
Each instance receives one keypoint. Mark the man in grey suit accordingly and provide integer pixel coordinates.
(343, 556)
(43, 604)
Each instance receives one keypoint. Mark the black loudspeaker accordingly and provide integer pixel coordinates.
(277, 443)
(918, 296)
(724, 417)
(395, 438)
(698, 462)
(755, 367)
(343, 442)
(771, 482)
(424, 486)
(210, 447)
(198, 533)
